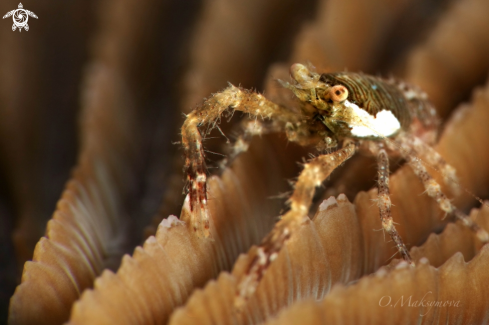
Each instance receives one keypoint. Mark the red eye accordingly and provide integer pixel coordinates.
(338, 93)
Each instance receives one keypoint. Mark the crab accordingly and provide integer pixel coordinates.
(341, 113)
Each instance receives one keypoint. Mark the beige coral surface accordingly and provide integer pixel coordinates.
(125, 71)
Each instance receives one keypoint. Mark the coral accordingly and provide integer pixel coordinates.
(126, 70)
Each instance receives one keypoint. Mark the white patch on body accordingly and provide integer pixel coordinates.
(365, 125)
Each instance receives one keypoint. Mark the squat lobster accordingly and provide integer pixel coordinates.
(340, 114)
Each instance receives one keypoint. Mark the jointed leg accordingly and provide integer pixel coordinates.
(298, 132)
(250, 128)
(230, 98)
(384, 204)
(434, 159)
(434, 190)
(313, 174)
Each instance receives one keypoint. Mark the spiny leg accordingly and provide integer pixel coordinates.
(250, 128)
(296, 131)
(433, 158)
(434, 190)
(384, 204)
(209, 113)
(313, 174)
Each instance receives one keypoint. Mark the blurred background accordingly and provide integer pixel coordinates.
(159, 59)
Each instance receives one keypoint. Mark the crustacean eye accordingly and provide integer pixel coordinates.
(338, 93)
(300, 73)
